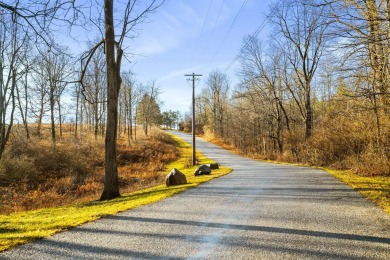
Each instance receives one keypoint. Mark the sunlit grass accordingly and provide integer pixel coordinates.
(376, 189)
(23, 227)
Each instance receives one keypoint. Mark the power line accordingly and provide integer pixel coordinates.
(215, 23)
(255, 34)
(201, 31)
(230, 28)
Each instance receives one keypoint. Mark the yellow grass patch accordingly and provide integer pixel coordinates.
(376, 189)
(23, 227)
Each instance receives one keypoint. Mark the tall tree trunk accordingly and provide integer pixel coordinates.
(41, 111)
(23, 114)
(130, 116)
(119, 122)
(146, 128)
(130, 127)
(103, 115)
(135, 124)
(59, 116)
(77, 110)
(26, 108)
(96, 120)
(309, 114)
(81, 120)
(111, 182)
(53, 126)
(96, 132)
(279, 128)
(5, 129)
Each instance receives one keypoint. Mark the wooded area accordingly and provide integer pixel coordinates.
(316, 91)
(38, 74)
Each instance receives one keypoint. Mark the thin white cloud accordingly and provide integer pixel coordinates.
(182, 72)
(168, 29)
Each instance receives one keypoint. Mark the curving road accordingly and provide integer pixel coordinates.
(259, 211)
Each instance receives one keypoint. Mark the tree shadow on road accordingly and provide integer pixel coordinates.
(310, 233)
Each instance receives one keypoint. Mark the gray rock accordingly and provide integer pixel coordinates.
(213, 166)
(202, 169)
(175, 177)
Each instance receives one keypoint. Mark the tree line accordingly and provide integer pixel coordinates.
(43, 91)
(38, 75)
(315, 91)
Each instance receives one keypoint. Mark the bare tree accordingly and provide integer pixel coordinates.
(54, 72)
(39, 93)
(302, 29)
(134, 13)
(215, 97)
(263, 73)
(95, 90)
(148, 109)
(129, 97)
(33, 20)
(12, 43)
(40, 17)
(364, 30)
(114, 54)
(23, 98)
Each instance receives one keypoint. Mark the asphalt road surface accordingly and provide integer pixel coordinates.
(259, 211)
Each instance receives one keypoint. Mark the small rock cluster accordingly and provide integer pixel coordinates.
(205, 169)
(176, 177)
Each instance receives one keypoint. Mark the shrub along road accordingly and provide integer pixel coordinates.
(259, 211)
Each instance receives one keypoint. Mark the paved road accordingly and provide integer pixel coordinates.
(260, 211)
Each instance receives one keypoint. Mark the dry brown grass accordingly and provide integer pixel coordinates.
(209, 136)
(335, 143)
(33, 176)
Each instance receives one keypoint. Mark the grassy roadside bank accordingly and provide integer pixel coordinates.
(374, 188)
(23, 227)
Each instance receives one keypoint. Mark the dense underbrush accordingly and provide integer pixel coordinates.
(34, 175)
(325, 149)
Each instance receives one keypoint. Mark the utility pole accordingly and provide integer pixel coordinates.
(193, 75)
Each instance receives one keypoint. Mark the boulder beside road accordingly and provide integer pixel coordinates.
(202, 170)
(213, 166)
(175, 177)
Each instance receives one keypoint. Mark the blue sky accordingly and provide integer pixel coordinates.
(186, 36)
